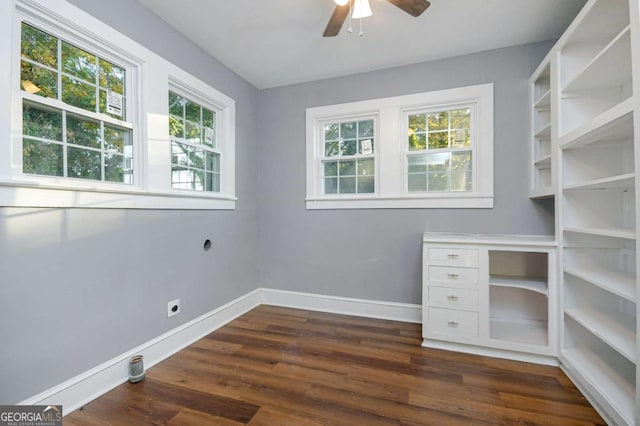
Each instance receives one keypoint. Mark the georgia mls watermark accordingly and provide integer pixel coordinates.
(30, 415)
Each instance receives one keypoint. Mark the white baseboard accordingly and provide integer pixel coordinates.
(491, 352)
(343, 305)
(79, 390)
(84, 388)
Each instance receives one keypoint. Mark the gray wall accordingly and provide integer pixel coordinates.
(79, 287)
(82, 286)
(376, 254)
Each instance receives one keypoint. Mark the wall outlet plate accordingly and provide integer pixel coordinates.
(173, 308)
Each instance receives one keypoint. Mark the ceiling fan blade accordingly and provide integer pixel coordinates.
(335, 22)
(412, 7)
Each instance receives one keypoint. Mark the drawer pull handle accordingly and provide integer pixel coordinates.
(453, 324)
(453, 276)
(452, 298)
(452, 256)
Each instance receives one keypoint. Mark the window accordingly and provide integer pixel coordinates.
(440, 151)
(425, 150)
(73, 121)
(195, 157)
(348, 164)
(85, 120)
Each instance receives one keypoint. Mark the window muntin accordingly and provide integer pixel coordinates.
(440, 150)
(348, 163)
(80, 132)
(195, 154)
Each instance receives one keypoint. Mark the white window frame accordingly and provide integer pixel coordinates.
(149, 78)
(391, 149)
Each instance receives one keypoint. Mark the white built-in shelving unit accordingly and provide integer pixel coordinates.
(594, 122)
(541, 182)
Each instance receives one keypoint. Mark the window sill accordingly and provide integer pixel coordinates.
(13, 195)
(440, 201)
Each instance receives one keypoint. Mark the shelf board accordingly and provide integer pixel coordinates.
(542, 192)
(538, 285)
(609, 127)
(618, 392)
(613, 282)
(543, 162)
(629, 234)
(544, 132)
(619, 335)
(544, 103)
(611, 67)
(519, 331)
(626, 180)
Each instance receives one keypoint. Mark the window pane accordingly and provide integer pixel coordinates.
(418, 182)
(348, 130)
(213, 162)
(438, 162)
(84, 164)
(417, 123)
(366, 184)
(116, 139)
(41, 123)
(193, 112)
(461, 177)
(331, 132)
(347, 185)
(38, 80)
(438, 120)
(79, 94)
(461, 119)
(417, 163)
(179, 154)
(215, 182)
(331, 168)
(438, 140)
(176, 127)
(196, 158)
(438, 181)
(111, 77)
(208, 118)
(349, 147)
(114, 167)
(347, 168)
(180, 177)
(331, 149)
(417, 142)
(365, 129)
(192, 132)
(365, 167)
(41, 158)
(83, 132)
(176, 104)
(39, 46)
(78, 63)
(330, 185)
(198, 180)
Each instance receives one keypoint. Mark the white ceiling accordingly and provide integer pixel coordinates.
(279, 42)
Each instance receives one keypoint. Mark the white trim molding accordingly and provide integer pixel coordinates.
(85, 387)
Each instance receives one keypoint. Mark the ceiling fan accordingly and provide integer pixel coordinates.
(361, 9)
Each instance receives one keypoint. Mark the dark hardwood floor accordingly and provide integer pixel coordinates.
(279, 366)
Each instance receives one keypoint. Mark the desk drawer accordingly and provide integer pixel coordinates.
(453, 297)
(450, 322)
(453, 276)
(453, 256)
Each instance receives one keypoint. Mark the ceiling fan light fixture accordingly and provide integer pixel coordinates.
(361, 9)
(341, 2)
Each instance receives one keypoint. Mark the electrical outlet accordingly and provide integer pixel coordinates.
(173, 308)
